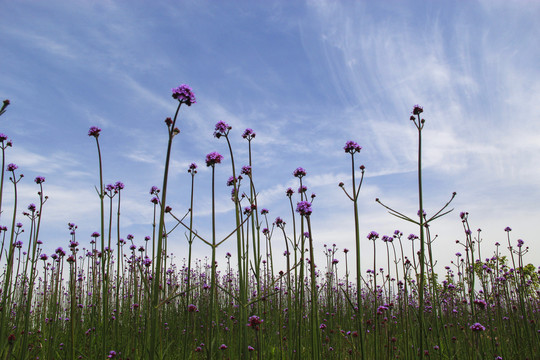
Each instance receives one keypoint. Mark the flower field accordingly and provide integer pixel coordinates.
(108, 295)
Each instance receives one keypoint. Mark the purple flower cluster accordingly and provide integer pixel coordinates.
(304, 208)
(254, 322)
(94, 131)
(222, 129)
(351, 147)
(184, 94)
(246, 170)
(417, 110)
(248, 134)
(373, 236)
(213, 158)
(477, 327)
(12, 167)
(299, 172)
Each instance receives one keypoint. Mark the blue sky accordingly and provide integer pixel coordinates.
(307, 77)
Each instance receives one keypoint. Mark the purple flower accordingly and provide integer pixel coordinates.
(264, 211)
(248, 134)
(12, 167)
(299, 172)
(520, 242)
(154, 190)
(386, 238)
(192, 168)
(417, 110)
(246, 170)
(94, 131)
(184, 94)
(507, 229)
(254, 322)
(32, 208)
(373, 235)
(302, 189)
(213, 158)
(119, 185)
(223, 347)
(39, 180)
(279, 222)
(43, 257)
(95, 234)
(289, 192)
(192, 308)
(3, 137)
(303, 208)
(251, 348)
(477, 327)
(351, 147)
(232, 180)
(222, 129)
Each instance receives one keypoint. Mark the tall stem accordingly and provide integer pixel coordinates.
(422, 244)
(158, 256)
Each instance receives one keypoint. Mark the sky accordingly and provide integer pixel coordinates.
(306, 76)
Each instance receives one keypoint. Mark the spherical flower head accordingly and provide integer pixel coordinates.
(299, 172)
(289, 192)
(251, 348)
(351, 147)
(507, 229)
(43, 257)
(192, 308)
(279, 222)
(248, 134)
(12, 167)
(232, 180)
(192, 168)
(222, 129)
(32, 208)
(213, 158)
(519, 242)
(373, 236)
(95, 234)
(477, 327)
(119, 186)
(387, 238)
(302, 189)
(264, 211)
(417, 110)
(3, 137)
(254, 322)
(303, 208)
(246, 170)
(39, 180)
(223, 347)
(94, 131)
(184, 94)
(109, 187)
